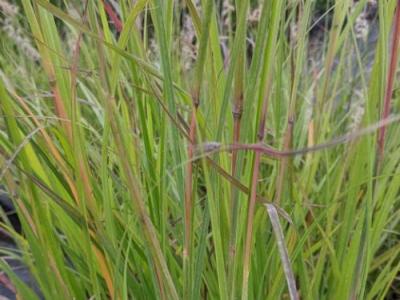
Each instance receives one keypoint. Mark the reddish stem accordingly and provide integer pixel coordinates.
(113, 16)
(7, 283)
(279, 154)
(390, 80)
(252, 203)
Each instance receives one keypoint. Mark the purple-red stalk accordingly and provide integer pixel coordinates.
(112, 15)
(389, 84)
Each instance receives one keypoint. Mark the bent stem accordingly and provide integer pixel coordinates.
(273, 153)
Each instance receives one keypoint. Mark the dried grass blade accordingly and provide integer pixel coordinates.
(280, 239)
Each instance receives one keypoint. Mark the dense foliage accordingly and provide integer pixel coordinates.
(201, 149)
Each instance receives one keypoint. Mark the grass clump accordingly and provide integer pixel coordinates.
(201, 149)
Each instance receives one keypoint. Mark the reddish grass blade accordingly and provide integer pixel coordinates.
(7, 283)
(389, 84)
(252, 202)
(113, 16)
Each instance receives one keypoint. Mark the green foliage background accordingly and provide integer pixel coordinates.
(200, 153)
